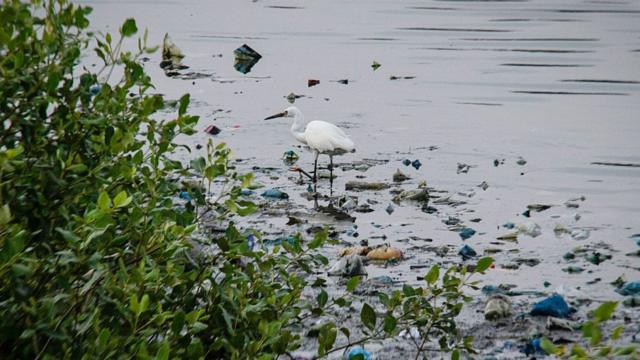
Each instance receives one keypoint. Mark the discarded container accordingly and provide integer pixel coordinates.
(245, 59)
(385, 253)
(416, 164)
(552, 306)
(399, 176)
(348, 266)
(497, 307)
(467, 252)
(212, 130)
(312, 82)
(530, 229)
(275, 194)
(630, 288)
(358, 350)
(466, 233)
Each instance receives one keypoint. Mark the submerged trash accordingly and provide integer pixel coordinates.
(275, 194)
(385, 253)
(358, 350)
(530, 229)
(290, 157)
(630, 288)
(399, 176)
(375, 65)
(467, 252)
(498, 306)
(348, 266)
(245, 59)
(466, 233)
(212, 130)
(363, 185)
(416, 164)
(552, 306)
(312, 82)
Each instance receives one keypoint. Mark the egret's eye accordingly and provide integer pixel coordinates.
(286, 113)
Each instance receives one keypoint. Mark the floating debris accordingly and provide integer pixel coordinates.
(292, 97)
(463, 168)
(421, 195)
(467, 252)
(343, 81)
(385, 253)
(170, 50)
(290, 157)
(554, 323)
(580, 234)
(245, 58)
(573, 269)
(530, 229)
(212, 130)
(552, 306)
(630, 288)
(466, 233)
(375, 65)
(184, 195)
(497, 307)
(275, 194)
(360, 250)
(615, 164)
(406, 162)
(390, 209)
(538, 207)
(416, 164)
(348, 266)
(513, 236)
(312, 82)
(357, 352)
(393, 77)
(521, 161)
(399, 176)
(483, 185)
(363, 185)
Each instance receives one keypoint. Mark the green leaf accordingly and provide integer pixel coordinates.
(483, 264)
(604, 311)
(184, 103)
(615, 335)
(547, 346)
(390, 324)
(21, 270)
(68, 235)
(455, 354)
(368, 316)
(5, 214)
(322, 298)
(134, 305)
(104, 202)
(129, 28)
(352, 284)
(433, 275)
(178, 322)
(144, 303)
(121, 200)
(163, 351)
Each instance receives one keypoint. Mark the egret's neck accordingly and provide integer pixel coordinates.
(297, 128)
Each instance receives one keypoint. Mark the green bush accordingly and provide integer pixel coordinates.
(97, 252)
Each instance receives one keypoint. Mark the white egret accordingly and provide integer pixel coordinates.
(322, 137)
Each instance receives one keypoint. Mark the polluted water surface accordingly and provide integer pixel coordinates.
(538, 101)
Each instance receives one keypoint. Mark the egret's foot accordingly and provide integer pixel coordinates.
(301, 172)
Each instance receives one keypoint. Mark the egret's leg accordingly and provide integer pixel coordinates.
(315, 174)
(331, 175)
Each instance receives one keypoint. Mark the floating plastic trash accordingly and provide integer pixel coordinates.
(552, 306)
(385, 253)
(358, 350)
(350, 265)
(631, 288)
(246, 58)
(390, 209)
(466, 233)
(375, 65)
(290, 157)
(406, 162)
(275, 194)
(467, 252)
(530, 229)
(498, 306)
(212, 130)
(416, 164)
(312, 82)
(184, 195)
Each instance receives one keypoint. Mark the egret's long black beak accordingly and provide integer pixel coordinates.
(276, 116)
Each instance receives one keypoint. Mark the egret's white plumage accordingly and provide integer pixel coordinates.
(322, 137)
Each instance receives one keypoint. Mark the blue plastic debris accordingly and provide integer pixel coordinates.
(631, 288)
(251, 241)
(406, 162)
(246, 57)
(95, 89)
(636, 237)
(389, 209)
(416, 164)
(552, 306)
(467, 252)
(247, 192)
(358, 350)
(184, 195)
(275, 194)
(532, 347)
(509, 225)
(466, 233)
